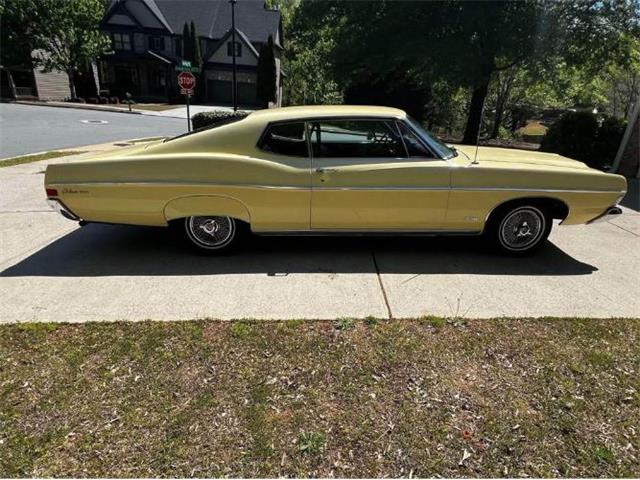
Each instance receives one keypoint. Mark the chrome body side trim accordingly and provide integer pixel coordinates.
(293, 187)
(357, 232)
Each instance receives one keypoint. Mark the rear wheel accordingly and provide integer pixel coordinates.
(519, 229)
(211, 234)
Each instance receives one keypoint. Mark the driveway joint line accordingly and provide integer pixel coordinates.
(384, 292)
(622, 228)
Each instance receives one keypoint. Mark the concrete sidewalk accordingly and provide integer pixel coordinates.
(178, 111)
(53, 270)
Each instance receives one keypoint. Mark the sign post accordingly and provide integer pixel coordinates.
(187, 82)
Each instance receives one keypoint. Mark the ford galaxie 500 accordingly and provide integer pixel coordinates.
(332, 169)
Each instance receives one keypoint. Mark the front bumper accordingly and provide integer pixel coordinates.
(62, 209)
(608, 214)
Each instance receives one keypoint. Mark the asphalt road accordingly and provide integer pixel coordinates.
(30, 128)
(53, 270)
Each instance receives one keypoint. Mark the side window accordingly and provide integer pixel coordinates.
(356, 139)
(285, 139)
(415, 148)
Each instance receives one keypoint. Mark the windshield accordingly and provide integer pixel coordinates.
(431, 140)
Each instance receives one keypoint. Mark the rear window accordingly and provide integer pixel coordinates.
(285, 139)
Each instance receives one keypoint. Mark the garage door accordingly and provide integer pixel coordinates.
(220, 92)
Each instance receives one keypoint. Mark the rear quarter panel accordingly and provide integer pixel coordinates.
(478, 189)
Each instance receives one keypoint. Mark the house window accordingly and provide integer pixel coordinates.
(122, 41)
(156, 43)
(238, 49)
(158, 80)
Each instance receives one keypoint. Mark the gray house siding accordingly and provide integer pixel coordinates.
(52, 85)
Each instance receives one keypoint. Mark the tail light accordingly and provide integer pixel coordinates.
(51, 192)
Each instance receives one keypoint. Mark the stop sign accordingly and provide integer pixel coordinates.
(186, 80)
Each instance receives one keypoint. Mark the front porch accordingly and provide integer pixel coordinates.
(148, 78)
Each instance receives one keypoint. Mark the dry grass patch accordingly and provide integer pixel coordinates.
(347, 398)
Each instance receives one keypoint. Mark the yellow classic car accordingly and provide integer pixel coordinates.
(332, 170)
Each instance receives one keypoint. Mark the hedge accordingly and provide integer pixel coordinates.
(582, 136)
(209, 119)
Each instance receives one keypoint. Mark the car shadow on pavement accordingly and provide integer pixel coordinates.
(110, 250)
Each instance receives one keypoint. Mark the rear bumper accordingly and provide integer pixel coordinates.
(608, 214)
(62, 209)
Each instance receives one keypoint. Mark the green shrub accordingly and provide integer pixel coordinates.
(573, 135)
(209, 119)
(608, 140)
(580, 136)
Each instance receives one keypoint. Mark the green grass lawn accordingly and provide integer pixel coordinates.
(36, 158)
(350, 398)
(534, 127)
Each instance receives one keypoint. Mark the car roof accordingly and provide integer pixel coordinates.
(324, 111)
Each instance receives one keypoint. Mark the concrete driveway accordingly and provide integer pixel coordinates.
(53, 270)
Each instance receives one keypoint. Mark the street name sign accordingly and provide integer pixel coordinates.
(185, 66)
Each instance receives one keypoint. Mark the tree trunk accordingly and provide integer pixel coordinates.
(472, 129)
(72, 86)
(12, 85)
(497, 121)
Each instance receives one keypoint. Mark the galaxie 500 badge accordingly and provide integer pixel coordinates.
(74, 191)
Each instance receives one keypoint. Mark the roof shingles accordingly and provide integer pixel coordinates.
(212, 18)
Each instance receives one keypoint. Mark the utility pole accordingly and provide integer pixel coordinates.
(234, 90)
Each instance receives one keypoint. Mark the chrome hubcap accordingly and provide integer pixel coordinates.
(211, 232)
(522, 228)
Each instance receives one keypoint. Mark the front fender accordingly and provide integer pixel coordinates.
(201, 205)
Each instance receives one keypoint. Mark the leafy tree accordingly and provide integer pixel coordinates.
(287, 9)
(311, 39)
(64, 35)
(15, 38)
(187, 45)
(194, 43)
(266, 82)
(467, 44)
(623, 83)
(392, 89)
(15, 34)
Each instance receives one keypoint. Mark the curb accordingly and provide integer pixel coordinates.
(78, 106)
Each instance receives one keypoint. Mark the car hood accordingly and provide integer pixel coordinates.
(509, 157)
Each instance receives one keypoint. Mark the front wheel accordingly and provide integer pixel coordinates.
(211, 234)
(519, 230)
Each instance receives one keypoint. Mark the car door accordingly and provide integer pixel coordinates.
(281, 198)
(367, 176)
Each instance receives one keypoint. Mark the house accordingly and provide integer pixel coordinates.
(147, 43)
(28, 83)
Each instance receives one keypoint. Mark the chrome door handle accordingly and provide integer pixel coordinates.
(326, 170)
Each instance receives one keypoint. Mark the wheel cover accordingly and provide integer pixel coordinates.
(522, 228)
(211, 232)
